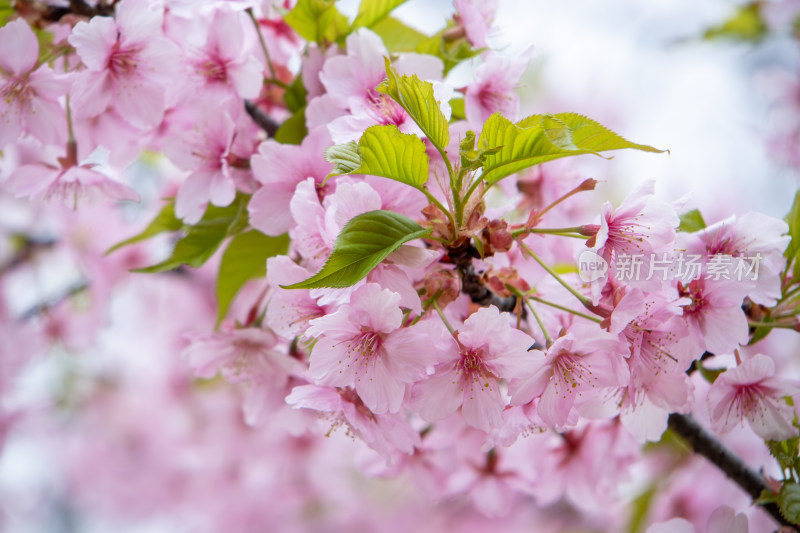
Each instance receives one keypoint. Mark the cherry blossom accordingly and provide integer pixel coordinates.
(29, 95)
(129, 64)
(468, 375)
(751, 392)
(362, 345)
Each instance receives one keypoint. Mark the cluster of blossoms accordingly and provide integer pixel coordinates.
(397, 269)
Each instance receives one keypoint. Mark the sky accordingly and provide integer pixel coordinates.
(642, 69)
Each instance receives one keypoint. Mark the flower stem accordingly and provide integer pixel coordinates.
(583, 299)
(444, 319)
(547, 338)
(563, 308)
(273, 78)
(754, 324)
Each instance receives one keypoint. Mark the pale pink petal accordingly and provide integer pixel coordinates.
(139, 21)
(30, 180)
(19, 48)
(47, 121)
(91, 94)
(378, 388)
(483, 404)
(439, 396)
(269, 211)
(725, 520)
(676, 525)
(94, 41)
(139, 101)
(314, 397)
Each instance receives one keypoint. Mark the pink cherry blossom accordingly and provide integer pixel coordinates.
(468, 375)
(280, 168)
(67, 182)
(350, 82)
(207, 150)
(224, 64)
(29, 95)
(250, 356)
(661, 350)
(361, 345)
(751, 392)
(129, 64)
(476, 16)
(642, 227)
(574, 370)
(493, 89)
(712, 309)
(755, 239)
(384, 433)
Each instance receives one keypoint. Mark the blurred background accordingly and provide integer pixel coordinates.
(721, 97)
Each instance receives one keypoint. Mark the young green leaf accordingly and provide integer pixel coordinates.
(365, 241)
(293, 130)
(398, 37)
(746, 24)
(541, 138)
(383, 151)
(784, 451)
(373, 11)
(317, 20)
(203, 239)
(244, 259)
(793, 220)
(417, 98)
(164, 221)
(692, 221)
(789, 502)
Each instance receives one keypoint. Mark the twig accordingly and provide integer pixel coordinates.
(705, 444)
(264, 121)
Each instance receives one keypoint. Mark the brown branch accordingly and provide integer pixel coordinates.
(702, 442)
(471, 283)
(260, 117)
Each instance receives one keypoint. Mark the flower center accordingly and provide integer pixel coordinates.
(122, 61)
(385, 110)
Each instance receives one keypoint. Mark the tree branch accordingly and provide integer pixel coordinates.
(472, 285)
(702, 442)
(264, 121)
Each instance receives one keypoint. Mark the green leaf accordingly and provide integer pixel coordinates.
(746, 24)
(372, 11)
(457, 107)
(766, 496)
(383, 151)
(318, 21)
(761, 331)
(165, 220)
(203, 239)
(244, 259)
(789, 502)
(640, 508)
(793, 220)
(784, 451)
(346, 158)
(398, 37)
(6, 11)
(295, 95)
(417, 98)
(692, 221)
(541, 138)
(365, 241)
(293, 130)
(709, 374)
